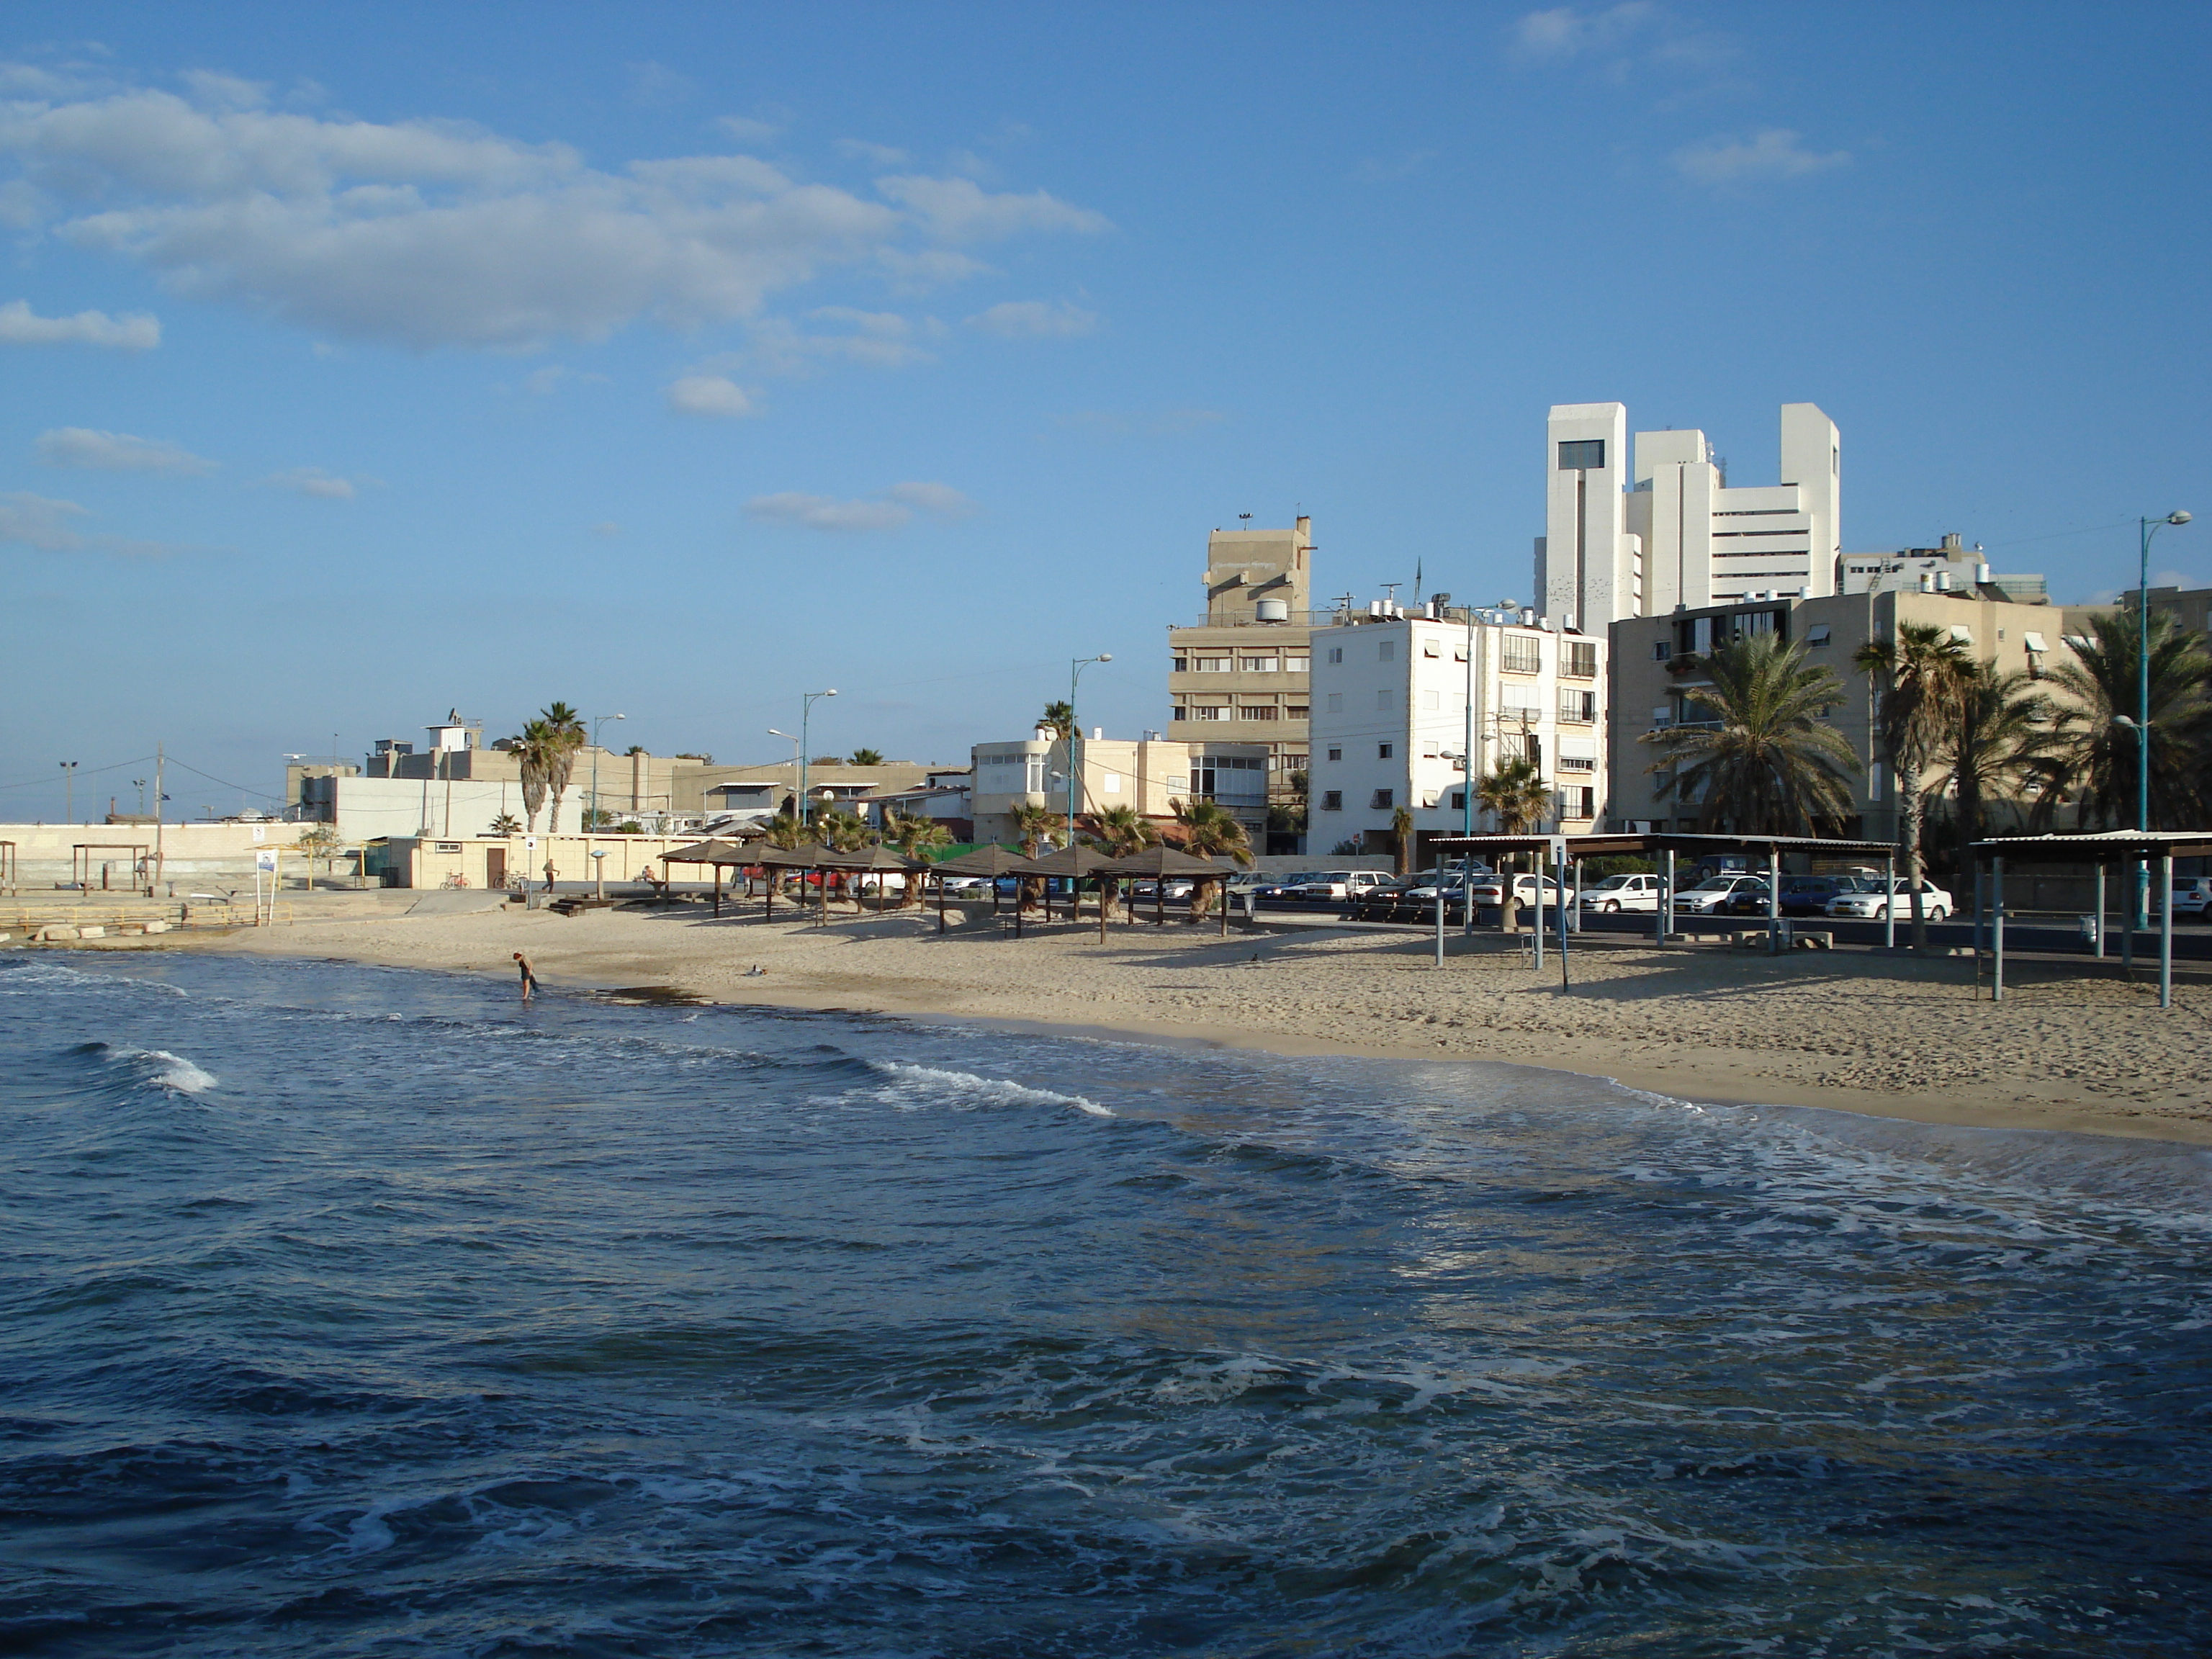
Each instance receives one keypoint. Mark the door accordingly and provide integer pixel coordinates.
(495, 866)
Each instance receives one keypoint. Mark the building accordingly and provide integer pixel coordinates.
(2191, 607)
(943, 799)
(762, 792)
(1657, 660)
(1393, 698)
(1950, 569)
(1242, 674)
(1640, 534)
(1149, 775)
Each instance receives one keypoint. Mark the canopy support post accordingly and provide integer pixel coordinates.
(1889, 901)
(1536, 865)
(1997, 929)
(1666, 906)
(2097, 928)
(2165, 932)
(1774, 900)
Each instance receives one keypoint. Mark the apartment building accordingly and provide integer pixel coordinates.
(762, 792)
(1147, 774)
(1396, 697)
(1950, 569)
(1638, 533)
(1656, 661)
(1242, 673)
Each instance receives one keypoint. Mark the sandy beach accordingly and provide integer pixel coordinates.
(1897, 1037)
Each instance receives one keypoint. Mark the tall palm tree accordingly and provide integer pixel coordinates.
(2002, 743)
(1402, 838)
(1763, 760)
(565, 735)
(1059, 718)
(1922, 679)
(2099, 758)
(1123, 830)
(1515, 793)
(1036, 826)
(1211, 830)
(534, 752)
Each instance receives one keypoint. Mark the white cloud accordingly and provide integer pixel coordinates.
(41, 522)
(117, 451)
(746, 130)
(878, 339)
(889, 509)
(428, 233)
(876, 156)
(1774, 154)
(132, 332)
(712, 396)
(651, 84)
(1563, 32)
(1034, 319)
(314, 480)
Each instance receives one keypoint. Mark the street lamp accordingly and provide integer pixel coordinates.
(2148, 527)
(593, 821)
(1075, 735)
(68, 791)
(807, 702)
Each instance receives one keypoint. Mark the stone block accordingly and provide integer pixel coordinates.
(92, 933)
(159, 926)
(56, 932)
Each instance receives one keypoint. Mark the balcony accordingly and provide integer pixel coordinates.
(1687, 663)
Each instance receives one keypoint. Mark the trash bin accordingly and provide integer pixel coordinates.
(2091, 927)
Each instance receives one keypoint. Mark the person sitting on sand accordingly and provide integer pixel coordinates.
(529, 978)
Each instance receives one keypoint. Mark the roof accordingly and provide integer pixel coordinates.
(1161, 861)
(713, 851)
(1598, 846)
(1080, 860)
(2100, 847)
(992, 861)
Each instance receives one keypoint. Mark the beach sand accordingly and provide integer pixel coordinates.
(1889, 1036)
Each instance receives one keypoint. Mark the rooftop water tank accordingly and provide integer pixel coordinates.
(1272, 610)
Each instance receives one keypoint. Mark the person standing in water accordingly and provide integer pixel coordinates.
(529, 978)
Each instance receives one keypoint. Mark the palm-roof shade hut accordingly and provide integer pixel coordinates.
(874, 860)
(715, 851)
(1074, 863)
(1159, 863)
(808, 855)
(990, 862)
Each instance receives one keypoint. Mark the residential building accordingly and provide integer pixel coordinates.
(762, 792)
(1640, 535)
(2189, 606)
(1242, 673)
(1950, 569)
(1149, 775)
(1658, 660)
(943, 798)
(1393, 697)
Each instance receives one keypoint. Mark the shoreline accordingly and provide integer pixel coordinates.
(1889, 1039)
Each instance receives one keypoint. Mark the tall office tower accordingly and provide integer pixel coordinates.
(1240, 674)
(1686, 536)
(1589, 567)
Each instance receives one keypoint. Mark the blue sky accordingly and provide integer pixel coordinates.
(363, 363)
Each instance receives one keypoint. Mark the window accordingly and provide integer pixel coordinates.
(1259, 711)
(1429, 647)
(1874, 781)
(1429, 750)
(1386, 650)
(1581, 455)
(1579, 658)
(1297, 662)
(1296, 711)
(1384, 799)
(1209, 665)
(1524, 655)
(1818, 634)
(1335, 754)
(1660, 650)
(1181, 714)
(1180, 665)
(1578, 707)
(1209, 711)
(1336, 653)
(1111, 784)
(1332, 800)
(1382, 698)
(1432, 700)
(1577, 763)
(1384, 751)
(1459, 801)
(1459, 652)
(1336, 702)
(1256, 665)
(1580, 803)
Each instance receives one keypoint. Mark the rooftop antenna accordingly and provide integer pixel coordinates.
(1390, 592)
(1246, 518)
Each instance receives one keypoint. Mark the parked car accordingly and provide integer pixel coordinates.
(954, 884)
(1284, 887)
(1490, 890)
(2192, 896)
(1617, 893)
(1709, 896)
(1178, 887)
(1404, 898)
(1341, 884)
(1867, 898)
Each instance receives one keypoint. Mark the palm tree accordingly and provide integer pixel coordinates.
(507, 824)
(1923, 674)
(1211, 830)
(1515, 793)
(1123, 830)
(2002, 742)
(2099, 758)
(1402, 838)
(319, 843)
(785, 831)
(842, 831)
(564, 729)
(533, 750)
(914, 836)
(1764, 761)
(866, 758)
(1034, 826)
(1059, 718)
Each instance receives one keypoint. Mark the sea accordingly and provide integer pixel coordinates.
(358, 1312)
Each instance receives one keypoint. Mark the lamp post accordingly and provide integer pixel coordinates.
(593, 821)
(1075, 734)
(807, 700)
(2148, 528)
(68, 791)
(141, 785)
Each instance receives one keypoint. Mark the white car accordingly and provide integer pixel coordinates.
(1341, 884)
(1490, 890)
(1867, 900)
(2192, 896)
(1709, 896)
(1617, 893)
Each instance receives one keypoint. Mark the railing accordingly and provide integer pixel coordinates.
(1294, 619)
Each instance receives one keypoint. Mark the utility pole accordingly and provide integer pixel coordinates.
(160, 758)
(68, 791)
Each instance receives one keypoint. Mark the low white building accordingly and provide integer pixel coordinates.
(1396, 697)
(1148, 775)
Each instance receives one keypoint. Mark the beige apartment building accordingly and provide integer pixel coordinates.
(1657, 660)
(1242, 674)
(1148, 774)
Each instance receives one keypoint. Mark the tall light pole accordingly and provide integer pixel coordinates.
(807, 700)
(1075, 734)
(2148, 528)
(141, 784)
(592, 821)
(68, 791)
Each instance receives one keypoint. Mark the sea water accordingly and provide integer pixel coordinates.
(355, 1312)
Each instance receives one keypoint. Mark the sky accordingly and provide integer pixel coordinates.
(365, 363)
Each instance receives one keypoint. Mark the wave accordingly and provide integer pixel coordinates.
(969, 1087)
(154, 1068)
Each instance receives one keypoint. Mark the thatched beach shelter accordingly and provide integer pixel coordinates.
(990, 862)
(1159, 864)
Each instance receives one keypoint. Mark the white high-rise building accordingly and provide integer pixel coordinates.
(1641, 539)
